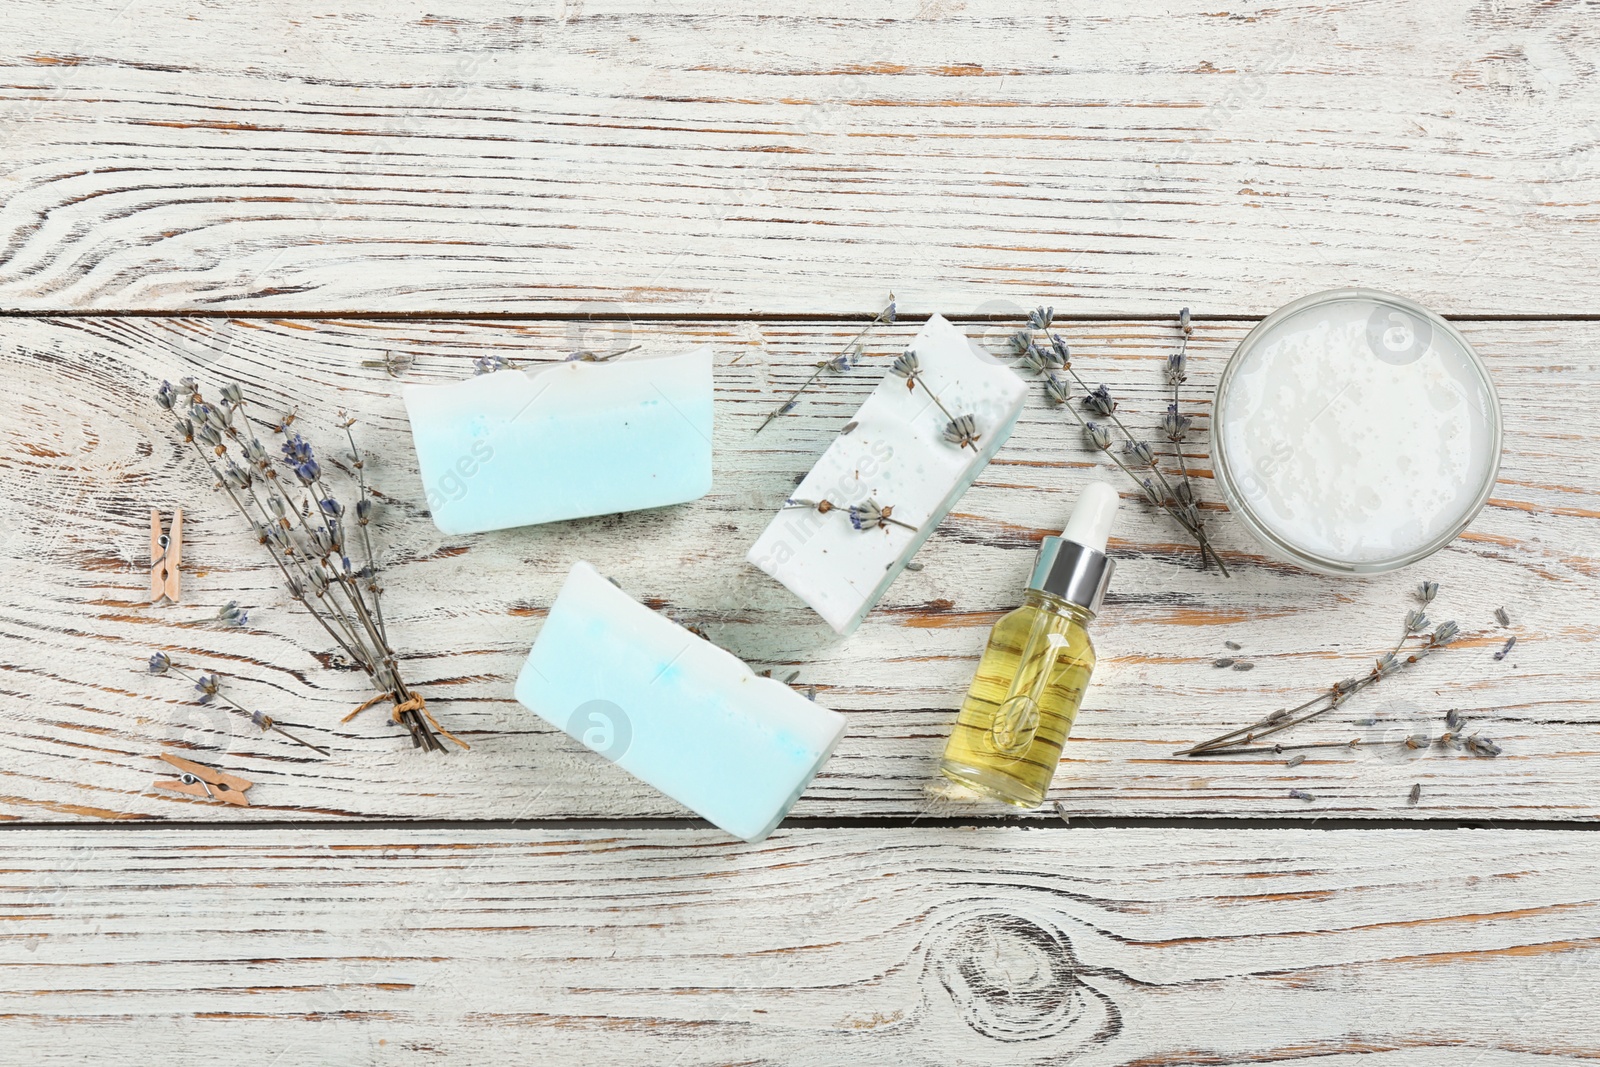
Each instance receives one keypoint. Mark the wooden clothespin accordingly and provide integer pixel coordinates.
(199, 780)
(166, 556)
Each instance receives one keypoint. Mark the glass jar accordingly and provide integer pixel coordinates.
(1355, 432)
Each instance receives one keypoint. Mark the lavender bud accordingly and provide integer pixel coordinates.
(159, 663)
(1022, 341)
(1427, 591)
(488, 364)
(1174, 425)
(331, 507)
(907, 365)
(1057, 390)
(962, 431)
(1139, 451)
(1183, 321)
(206, 685)
(1097, 436)
(1040, 318)
(866, 515)
(166, 396)
(1416, 620)
(1099, 401)
(1175, 370)
(1445, 633)
(1032, 361)
(233, 394)
(363, 510)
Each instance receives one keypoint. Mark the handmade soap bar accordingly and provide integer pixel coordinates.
(896, 456)
(672, 709)
(564, 440)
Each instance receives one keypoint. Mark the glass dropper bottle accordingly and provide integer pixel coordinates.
(1031, 679)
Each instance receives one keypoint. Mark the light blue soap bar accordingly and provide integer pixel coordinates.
(674, 710)
(564, 440)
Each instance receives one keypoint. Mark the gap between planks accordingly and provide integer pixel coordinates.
(774, 318)
(1032, 821)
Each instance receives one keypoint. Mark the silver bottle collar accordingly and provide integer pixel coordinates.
(1075, 573)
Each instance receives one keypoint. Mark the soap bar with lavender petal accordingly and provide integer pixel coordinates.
(896, 457)
(672, 709)
(564, 440)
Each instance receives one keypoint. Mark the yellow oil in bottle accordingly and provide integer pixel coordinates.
(1023, 701)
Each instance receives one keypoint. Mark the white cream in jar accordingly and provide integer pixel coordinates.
(1355, 432)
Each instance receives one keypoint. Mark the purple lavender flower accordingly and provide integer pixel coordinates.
(1099, 401)
(206, 685)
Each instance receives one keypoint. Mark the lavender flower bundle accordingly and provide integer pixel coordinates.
(1175, 497)
(304, 528)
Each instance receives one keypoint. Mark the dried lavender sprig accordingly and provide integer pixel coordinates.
(837, 365)
(960, 430)
(363, 515)
(1477, 744)
(1176, 502)
(867, 515)
(1175, 425)
(209, 687)
(392, 365)
(1385, 665)
(1102, 440)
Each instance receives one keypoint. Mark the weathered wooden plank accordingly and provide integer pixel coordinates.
(364, 155)
(84, 457)
(917, 945)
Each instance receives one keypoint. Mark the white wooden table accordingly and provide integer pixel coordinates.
(281, 193)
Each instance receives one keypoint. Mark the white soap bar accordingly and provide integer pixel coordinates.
(564, 440)
(673, 709)
(897, 456)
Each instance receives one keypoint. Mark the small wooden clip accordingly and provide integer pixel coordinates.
(166, 556)
(199, 780)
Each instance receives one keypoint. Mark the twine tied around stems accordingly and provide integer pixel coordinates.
(412, 703)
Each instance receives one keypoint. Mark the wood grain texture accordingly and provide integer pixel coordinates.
(583, 157)
(83, 456)
(921, 946)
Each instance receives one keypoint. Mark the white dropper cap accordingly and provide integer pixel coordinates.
(1092, 516)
